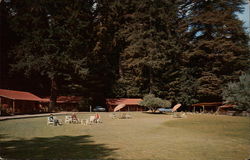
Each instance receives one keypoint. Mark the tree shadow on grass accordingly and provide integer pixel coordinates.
(59, 147)
(153, 113)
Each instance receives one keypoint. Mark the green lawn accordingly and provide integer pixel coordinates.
(145, 136)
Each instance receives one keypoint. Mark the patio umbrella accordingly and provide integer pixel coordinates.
(118, 107)
(176, 107)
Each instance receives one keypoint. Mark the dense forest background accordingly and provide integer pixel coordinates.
(185, 51)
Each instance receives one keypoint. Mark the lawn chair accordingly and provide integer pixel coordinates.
(128, 116)
(98, 118)
(68, 119)
(85, 121)
(123, 116)
(50, 121)
(179, 115)
(92, 119)
(113, 116)
(75, 119)
(54, 121)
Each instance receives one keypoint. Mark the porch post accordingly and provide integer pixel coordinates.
(13, 107)
(1, 106)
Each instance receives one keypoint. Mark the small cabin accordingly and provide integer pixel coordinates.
(20, 102)
(131, 104)
(68, 103)
(206, 107)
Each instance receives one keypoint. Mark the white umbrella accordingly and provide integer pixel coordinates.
(118, 107)
(176, 107)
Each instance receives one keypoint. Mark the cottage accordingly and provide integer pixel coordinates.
(19, 102)
(65, 103)
(68, 103)
(206, 106)
(130, 104)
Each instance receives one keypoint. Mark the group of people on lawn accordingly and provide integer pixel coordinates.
(74, 118)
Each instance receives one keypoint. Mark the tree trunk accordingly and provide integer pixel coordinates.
(53, 95)
(153, 109)
(150, 80)
(120, 68)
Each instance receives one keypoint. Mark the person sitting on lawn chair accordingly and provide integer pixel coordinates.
(97, 118)
(54, 119)
(74, 118)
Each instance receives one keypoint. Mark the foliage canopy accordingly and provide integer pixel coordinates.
(153, 103)
(184, 51)
(238, 93)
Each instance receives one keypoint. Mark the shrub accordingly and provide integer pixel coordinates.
(238, 93)
(153, 103)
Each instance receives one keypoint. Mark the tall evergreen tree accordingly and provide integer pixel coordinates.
(217, 45)
(101, 57)
(149, 46)
(54, 39)
(183, 50)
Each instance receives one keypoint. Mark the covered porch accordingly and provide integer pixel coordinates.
(206, 107)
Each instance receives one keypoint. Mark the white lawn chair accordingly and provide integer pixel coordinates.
(92, 119)
(50, 121)
(98, 120)
(85, 121)
(68, 119)
(54, 121)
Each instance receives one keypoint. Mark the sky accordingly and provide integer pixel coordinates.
(245, 17)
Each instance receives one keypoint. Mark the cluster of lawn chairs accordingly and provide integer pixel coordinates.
(121, 116)
(179, 115)
(52, 120)
(90, 120)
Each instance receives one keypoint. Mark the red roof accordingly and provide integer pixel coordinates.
(19, 95)
(69, 99)
(207, 104)
(228, 106)
(127, 101)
